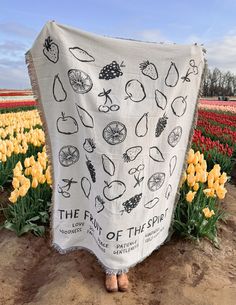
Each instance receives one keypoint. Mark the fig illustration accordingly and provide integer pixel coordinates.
(114, 190)
(135, 90)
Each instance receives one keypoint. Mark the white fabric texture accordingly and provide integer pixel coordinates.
(119, 115)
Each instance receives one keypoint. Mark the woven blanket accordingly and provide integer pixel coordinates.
(118, 115)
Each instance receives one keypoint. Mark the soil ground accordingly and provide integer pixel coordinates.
(179, 273)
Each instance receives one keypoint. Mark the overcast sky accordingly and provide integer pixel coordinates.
(211, 23)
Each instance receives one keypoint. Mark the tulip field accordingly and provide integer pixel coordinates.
(25, 170)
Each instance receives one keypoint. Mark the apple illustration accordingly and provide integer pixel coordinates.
(114, 190)
(67, 124)
(135, 90)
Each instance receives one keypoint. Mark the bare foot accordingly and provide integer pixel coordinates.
(111, 283)
(123, 281)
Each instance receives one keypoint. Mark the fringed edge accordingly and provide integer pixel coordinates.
(39, 106)
(37, 96)
(194, 124)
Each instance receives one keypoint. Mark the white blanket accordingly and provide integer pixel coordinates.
(118, 116)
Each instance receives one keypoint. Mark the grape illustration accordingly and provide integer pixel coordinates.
(111, 71)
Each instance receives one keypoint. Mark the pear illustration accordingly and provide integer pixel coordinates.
(161, 99)
(135, 90)
(59, 92)
(172, 76)
(141, 127)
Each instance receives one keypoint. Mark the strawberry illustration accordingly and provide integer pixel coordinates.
(149, 69)
(51, 50)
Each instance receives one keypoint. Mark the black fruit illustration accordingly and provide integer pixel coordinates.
(136, 172)
(99, 203)
(141, 127)
(91, 169)
(51, 50)
(114, 190)
(67, 124)
(64, 190)
(58, 90)
(89, 145)
(114, 133)
(81, 54)
(80, 81)
(86, 186)
(156, 154)
(108, 165)
(111, 71)
(131, 203)
(132, 153)
(68, 155)
(150, 204)
(192, 70)
(168, 191)
(156, 181)
(161, 99)
(172, 164)
(149, 69)
(179, 105)
(161, 124)
(85, 117)
(104, 108)
(172, 76)
(135, 90)
(175, 136)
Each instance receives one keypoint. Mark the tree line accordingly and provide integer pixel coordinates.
(218, 83)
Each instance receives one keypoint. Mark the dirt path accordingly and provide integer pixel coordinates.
(180, 273)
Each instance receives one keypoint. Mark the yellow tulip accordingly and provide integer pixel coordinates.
(19, 165)
(190, 196)
(16, 149)
(17, 172)
(196, 187)
(216, 184)
(191, 169)
(221, 192)
(4, 158)
(27, 171)
(210, 192)
(42, 179)
(27, 162)
(201, 158)
(15, 183)
(210, 182)
(183, 178)
(14, 196)
(34, 183)
(223, 178)
(190, 156)
(195, 159)
(204, 165)
(32, 160)
(207, 213)
(23, 191)
(191, 179)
